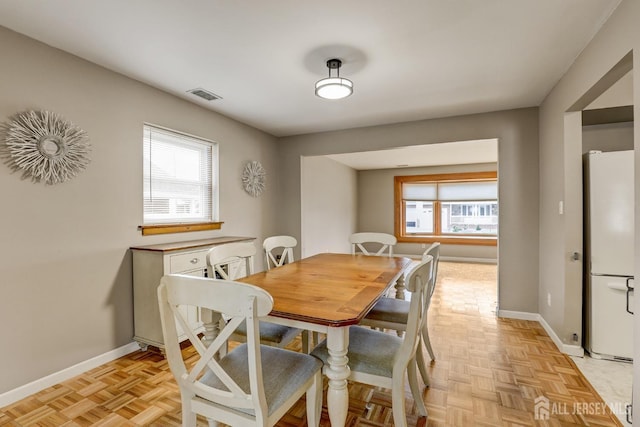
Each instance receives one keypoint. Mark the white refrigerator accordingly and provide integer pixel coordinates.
(609, 244)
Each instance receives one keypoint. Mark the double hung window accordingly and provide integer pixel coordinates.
(453, 208)
(180, 178)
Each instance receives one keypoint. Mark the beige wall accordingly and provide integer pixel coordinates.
(560, 171)
(620, 93)
(328, 205)
(517, 133)
(376, 208)
(65, 268)
(608, 137)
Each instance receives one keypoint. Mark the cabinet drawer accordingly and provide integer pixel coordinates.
(188, 261)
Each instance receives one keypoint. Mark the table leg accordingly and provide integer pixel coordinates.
(210, 321)
(338, 371)
(400, 287)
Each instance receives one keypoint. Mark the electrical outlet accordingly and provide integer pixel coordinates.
(549, 299)
(424, 246)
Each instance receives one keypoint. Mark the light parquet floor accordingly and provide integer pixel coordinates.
(488, 372)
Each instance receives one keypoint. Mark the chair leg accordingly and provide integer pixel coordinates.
(397, 402)
(427, 341)
(415, 390)
(421, 366)
(188, 416)
(314, 401)
(309, 341)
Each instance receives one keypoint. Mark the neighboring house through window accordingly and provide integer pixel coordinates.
(451, 208)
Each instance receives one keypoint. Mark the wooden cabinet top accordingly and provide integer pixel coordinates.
(192, 244)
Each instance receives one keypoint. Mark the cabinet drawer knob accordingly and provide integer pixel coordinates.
(194, 260)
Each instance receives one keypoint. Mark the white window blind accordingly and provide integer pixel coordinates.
(420, 191)
(180, 177)
(481, 190)
(450, 191)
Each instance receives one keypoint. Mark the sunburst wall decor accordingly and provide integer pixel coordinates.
(45, 146)
(253, 178)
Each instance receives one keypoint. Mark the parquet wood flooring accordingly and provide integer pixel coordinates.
(488, 372)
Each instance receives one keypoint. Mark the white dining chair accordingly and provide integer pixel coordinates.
(384, 360)
(278, 250)
(382, 242)
(252, 385)
(392, 313)
(233, 261)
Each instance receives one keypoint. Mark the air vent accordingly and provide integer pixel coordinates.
(204, 94)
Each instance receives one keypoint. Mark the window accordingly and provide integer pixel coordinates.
(180, 179)
(451, 208)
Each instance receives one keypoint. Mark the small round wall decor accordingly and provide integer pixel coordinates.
(46, 147)
(253, 178)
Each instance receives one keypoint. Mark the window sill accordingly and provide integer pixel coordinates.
(148, 230)
(451, 240)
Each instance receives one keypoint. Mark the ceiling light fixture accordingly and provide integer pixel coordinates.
(334, 87)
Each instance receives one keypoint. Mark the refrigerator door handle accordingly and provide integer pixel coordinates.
(618, 287)
(629, 290)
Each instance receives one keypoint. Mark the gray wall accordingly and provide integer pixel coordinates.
(620, 93)
(517, 132)
(607, 137)
(376, 208)
(561, 140)
(328, 205)
(65, 269)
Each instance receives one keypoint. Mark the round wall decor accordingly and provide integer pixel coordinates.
(253, 178)
(46, 147)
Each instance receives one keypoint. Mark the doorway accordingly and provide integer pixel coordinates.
(345, 193)
(601, 122)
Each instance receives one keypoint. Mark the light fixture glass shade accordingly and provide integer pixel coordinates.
(334, 88)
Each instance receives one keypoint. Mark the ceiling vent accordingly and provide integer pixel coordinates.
(204, 94)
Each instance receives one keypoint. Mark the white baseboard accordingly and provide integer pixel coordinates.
(473, 260)
(33, 387)
(570, 349)
(520, 315)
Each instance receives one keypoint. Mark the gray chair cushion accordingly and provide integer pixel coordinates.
(370, 351)
(271, 332)
(283, 372)
(390, 310)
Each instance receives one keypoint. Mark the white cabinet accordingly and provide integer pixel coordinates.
(152, 262)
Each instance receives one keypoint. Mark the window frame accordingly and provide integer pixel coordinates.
(178, 226)
(437, 236)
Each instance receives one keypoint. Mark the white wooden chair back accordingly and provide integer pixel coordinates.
(434, 251)
(232, 260)
(419, 282)
(239, 302)
(287, 243)
(385, 241)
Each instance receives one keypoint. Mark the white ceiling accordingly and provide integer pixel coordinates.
(408, 59)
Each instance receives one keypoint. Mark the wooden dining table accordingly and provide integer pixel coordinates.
(327, 293)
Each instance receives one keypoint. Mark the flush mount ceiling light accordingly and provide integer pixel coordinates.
(334, 87)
